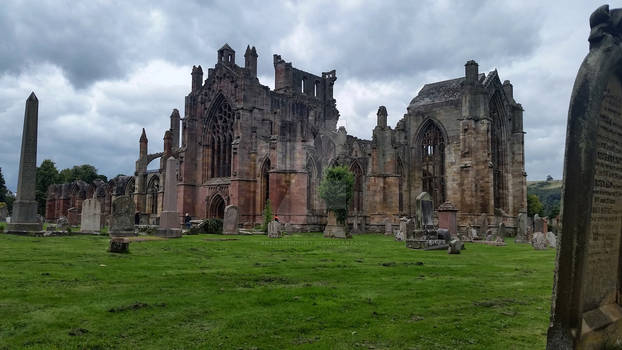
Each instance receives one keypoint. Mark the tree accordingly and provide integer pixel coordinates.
(267, 216)
(336, 189)
(47, 175)
(549, 178)
(84, 172)
(554, 211)
(3, 189)
(534, 206)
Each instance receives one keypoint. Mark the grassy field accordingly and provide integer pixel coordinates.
(251, 292)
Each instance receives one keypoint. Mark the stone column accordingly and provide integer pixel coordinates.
(169, 219)
(25, 207)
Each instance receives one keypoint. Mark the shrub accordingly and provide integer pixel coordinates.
(267, 216)
(213, 226)
(336, 189)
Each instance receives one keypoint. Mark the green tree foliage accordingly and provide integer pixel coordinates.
(47, 174)
(534, 206)
(267, 216)
(336, 189)
(84, 172)
(554, 212)
(3, 189)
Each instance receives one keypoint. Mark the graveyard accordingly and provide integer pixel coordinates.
(265, 224)
(250, 292)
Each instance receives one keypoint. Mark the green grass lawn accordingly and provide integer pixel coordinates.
(252, 292)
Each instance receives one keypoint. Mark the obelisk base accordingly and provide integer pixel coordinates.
(169, 219)
(24, 218)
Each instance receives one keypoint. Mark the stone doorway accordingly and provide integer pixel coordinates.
(217, 208)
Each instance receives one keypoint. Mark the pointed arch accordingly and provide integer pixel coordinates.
(430, 153)
(217, 138)
(265, 182)
(130, 187)
(153, 187)
(216, 207)
(312, 184)
(359, 181)
(400, 171)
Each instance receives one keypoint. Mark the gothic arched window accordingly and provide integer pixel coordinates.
(152, 195)
(497, 153)
(217, 138)
(432, 152)
(357, 198)
(265, 182)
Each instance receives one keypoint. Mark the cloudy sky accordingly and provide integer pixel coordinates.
(102, 70)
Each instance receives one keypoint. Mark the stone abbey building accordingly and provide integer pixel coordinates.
(241, 143)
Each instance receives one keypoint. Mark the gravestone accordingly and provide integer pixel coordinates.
(91, 219)
(169, 218)
(586, 310)
(122, 217)
(334, 229)
(425, 235)
(388, 228)
(501, 230)
(4, 211)
(231, 220)
(73, 216)
(355, 224)
(24, 218)
(521, 229)
(455, 246)
(539, 242)
(447, 213)
(274, 229)
(551, 239)
(62, 224)
(483, 225)
(119, 245)
(538, 224)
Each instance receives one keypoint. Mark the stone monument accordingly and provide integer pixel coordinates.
(122, 217)
(24, 218)
(73, 216)
(521, 229)
(586, 311)
(425, 235)
(91, 218)
(169, 219)
(231, 221)
(333, 229)
(447, 213)
(274, 229)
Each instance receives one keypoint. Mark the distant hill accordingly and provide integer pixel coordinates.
(549, 192)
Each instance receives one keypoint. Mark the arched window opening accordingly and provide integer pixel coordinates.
(217, 139)
(432, 150)
(152, 195)
(302, 85)
(311, 185)
(357, 198)
(315, 88)
(265, 183)
(497, 154)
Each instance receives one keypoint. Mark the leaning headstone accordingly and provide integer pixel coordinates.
(455, 246)
(231, 220)
(62, 224)
(447, 213)
(25, 217)
(169, 218)
(91, 219)
(586, 310)
(521, 229)
(119, 245)
(274, 229)
(483, 225)
(122, 217)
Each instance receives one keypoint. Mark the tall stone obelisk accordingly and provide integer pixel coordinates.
(24, 216)
(169, 218)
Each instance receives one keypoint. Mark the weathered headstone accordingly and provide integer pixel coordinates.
(62, 224)
(521, 229)
(539, 242)
(447, 213)
(169, 218)
(538, 223)
(586, 310)
(355, 224)
(551, 239)
(231, 220)
(122, 217)
(455, 246)
(4, 211)
(501, 230)
(483, 225)
(274, 229)
(25, 217)
(73, 216)
(334, 229)
(425, 234)
(91, 219)
(119, 245)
